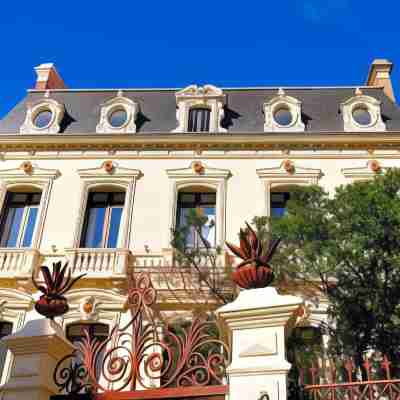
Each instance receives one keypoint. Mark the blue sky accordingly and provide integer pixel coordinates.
(147, 43)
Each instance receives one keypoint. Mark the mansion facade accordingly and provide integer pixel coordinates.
(100, 177)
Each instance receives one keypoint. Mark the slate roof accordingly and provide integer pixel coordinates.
(243, 113)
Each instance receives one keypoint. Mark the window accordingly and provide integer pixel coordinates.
(103, 219)
(43, 119)
(283, 116)
(5, 330)
(118, 117)
(361, 115)
(199, 120)
(278, 203)
(100, 332)
(203, 203)
(18, 219)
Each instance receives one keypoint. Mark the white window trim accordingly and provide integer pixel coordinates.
(286, 174)
(207, 96)
(14, 306)
(131, 108)
(374, 108)
(213, 178)
(364, 172)
(57, 109)
(119, 177)
(294, 106)
(39, 178)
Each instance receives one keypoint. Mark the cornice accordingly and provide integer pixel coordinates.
(168, 141)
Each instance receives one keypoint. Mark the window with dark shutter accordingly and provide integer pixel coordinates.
(199, 120)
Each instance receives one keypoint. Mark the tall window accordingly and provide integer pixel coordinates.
(18, 219)
(5, 330)
(100, 332)
(279, 203)
(103, 219)
(202, 203)
(199, 120)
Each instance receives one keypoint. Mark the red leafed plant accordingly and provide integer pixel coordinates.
(254, 271)
(53, 303)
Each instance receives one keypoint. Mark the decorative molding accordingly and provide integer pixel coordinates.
(200, 96)
(116, 103)
(371, 104)
(213, 178)
(124, 178)
(33, 109)
(287, 173)
(370, 170)
(34, 176)
(287, 102)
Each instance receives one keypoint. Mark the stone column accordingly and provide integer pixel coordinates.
(257, 322)
(36, 348)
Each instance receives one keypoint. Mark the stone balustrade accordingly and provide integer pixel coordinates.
(18, 263)
(98, 263)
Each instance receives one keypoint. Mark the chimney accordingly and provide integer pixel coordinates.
(379, 75)
(48, 78)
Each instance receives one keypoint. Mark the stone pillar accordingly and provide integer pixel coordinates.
(36, 348)
(257, 323)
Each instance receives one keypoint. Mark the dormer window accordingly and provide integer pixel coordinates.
(362, 113)
(200, 109)
(118, 115)
(199, 120)
(283, 113)
(43, 117)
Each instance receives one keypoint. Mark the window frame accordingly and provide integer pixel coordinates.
(195, 110)
(107, 219)
(196, 204)
(24, 220)
(39, 179)
(121, 179)
(213, 179)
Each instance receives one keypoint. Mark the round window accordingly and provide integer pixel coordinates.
(362, 115)
(43, 119)
(283, 116)
(118, 117)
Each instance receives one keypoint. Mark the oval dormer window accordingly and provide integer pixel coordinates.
(43, 119)
(283, 116)
(362, 115)
(118, 117)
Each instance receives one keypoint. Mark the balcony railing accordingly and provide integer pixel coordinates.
(18, 263)
(99, 263)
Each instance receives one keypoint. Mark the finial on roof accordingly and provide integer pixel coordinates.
(281, 92)
(120, 93)
(358, 92)
(47, 94)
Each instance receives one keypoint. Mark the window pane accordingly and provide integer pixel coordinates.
(208, 230)
(94, 228)
(187, 197)
(98, 197)
(207, 198)
(36, 198)
(113, 230)
(190, 242)
(199, 120)
(5, 329)
(117, 198)
(12, 226)
(278, 203)
(18, 197)
(30, 226)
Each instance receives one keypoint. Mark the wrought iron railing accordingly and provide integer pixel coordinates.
(345, 380)
(146, 354)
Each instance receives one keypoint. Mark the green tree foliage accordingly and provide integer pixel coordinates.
(348, 247)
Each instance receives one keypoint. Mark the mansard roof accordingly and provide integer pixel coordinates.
(243, 109)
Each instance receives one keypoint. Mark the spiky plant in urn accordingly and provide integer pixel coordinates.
(52, 302)
(254, 271)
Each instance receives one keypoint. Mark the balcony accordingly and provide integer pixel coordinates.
(18, 263)
(99, 263)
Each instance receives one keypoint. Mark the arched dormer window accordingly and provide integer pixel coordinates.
(362, 113)
(200, 109)
(199, 119)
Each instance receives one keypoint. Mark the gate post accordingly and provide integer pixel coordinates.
(257, 322)
(36, 348)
